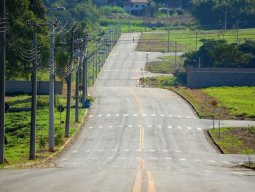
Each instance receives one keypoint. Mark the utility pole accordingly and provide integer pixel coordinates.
(84, 73)
(2, 77)
(196, 40)
(77, 91)
(237, 33)
(34, 94)
(69, 88)
(226, 14)
(51, 91)
(175, 55)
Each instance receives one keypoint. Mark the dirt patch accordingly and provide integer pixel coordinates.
(246, 135)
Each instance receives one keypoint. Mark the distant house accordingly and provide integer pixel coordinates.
(134, 6)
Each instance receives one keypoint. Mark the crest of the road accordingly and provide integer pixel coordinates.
(137, 139)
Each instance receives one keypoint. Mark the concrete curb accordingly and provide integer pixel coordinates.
(215, 144)
(191, 105)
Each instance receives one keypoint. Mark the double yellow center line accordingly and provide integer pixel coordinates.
(141, 162)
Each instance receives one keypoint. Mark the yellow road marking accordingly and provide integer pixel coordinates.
(138, 180)
(151, 182)
(141, 163)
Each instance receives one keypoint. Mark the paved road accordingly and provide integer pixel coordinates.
(137, 139)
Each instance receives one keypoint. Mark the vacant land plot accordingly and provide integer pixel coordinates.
(189, 40)
(239, 101)
(233, 102)
(166, 65)
(17, 128)
(235, 140)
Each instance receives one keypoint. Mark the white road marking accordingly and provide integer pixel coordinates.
(144, 115)
(179, 116)
(162, 115)
(99, 115)
(126, 150)
(199, 129)
(227, 162)
(109, 157)
(123, 158)
(88, 151)
(91, 116)
(179, 127)
(152, 150)
(153, 115)
(139, 125)
(74, 151)
(115, 150)
(211, 161)
(170, 116)
(149, 125)
(168, 158)
(170, 127)
(125, 115)
(189, 128)
(182, 159)
(117, 115)
(120, 125)
(135, 115)
(108, 115)
(110, 126)
(138, 150)
(91, 127)
(100, 127)
(177, 151)
(165, 150)
(208, 171)
(159, 126)
(197, 160)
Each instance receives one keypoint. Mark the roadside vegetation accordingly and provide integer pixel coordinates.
(17, 126)
(235, 141)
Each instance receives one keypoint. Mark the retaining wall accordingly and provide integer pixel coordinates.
(25, 87)
(216, 77)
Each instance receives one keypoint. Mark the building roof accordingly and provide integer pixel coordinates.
(138, 1)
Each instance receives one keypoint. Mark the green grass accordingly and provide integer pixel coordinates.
(18, 129)
(186, 39)
(165, 66)
(235, 140)
(160, 81)
(239, 101)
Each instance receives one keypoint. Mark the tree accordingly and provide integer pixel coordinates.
(20, 35)
(217, 54)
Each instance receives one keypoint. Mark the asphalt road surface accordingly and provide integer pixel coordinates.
(137, 139)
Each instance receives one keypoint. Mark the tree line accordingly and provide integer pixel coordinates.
(19, 34)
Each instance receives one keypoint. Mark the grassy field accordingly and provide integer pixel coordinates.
(18, 128)
(166, 65)
(189, 40)
(235, 140)
(239, 101)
